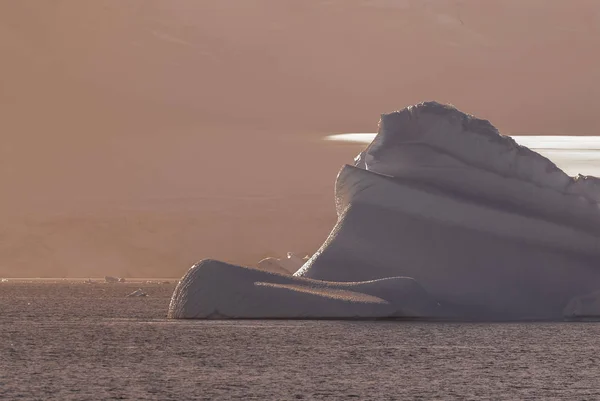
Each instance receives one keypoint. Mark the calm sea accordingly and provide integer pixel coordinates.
(75, 341)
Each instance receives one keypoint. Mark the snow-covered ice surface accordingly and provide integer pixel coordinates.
(487, 227)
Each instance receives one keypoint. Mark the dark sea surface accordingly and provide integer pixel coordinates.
(75, 341)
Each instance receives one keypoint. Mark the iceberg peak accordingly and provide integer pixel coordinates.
(439, 145)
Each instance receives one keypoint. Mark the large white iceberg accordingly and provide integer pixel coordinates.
(489, 228)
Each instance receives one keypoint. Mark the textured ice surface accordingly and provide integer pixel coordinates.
(217, 290)
(439, 145)
(487, 227)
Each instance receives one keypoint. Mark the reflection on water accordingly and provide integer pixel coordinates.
(573, 154)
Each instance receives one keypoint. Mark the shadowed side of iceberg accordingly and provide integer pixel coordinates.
(357, 186)
(217, 290)
(493, 277)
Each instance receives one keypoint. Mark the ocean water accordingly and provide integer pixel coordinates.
(574, 154)
(76, 341)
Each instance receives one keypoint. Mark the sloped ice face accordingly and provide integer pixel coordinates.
(440, 216)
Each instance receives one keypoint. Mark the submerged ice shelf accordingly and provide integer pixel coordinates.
(440, 216)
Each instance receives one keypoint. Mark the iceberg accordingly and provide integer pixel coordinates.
(487, 228)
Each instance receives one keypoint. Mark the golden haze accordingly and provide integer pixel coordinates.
(140, 136)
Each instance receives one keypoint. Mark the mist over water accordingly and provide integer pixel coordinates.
(573, 154)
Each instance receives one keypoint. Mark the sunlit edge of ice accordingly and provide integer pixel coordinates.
(574, 154)
(558, 142)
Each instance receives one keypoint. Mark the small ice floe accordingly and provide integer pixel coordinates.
(157, 282)
(137, 293)
(112, 279)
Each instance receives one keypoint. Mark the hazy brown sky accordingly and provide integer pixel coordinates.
(139, 136)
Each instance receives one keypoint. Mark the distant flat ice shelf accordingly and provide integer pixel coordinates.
(440, 216)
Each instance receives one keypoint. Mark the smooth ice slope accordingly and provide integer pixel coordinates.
(483, 224)
(217, 290)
